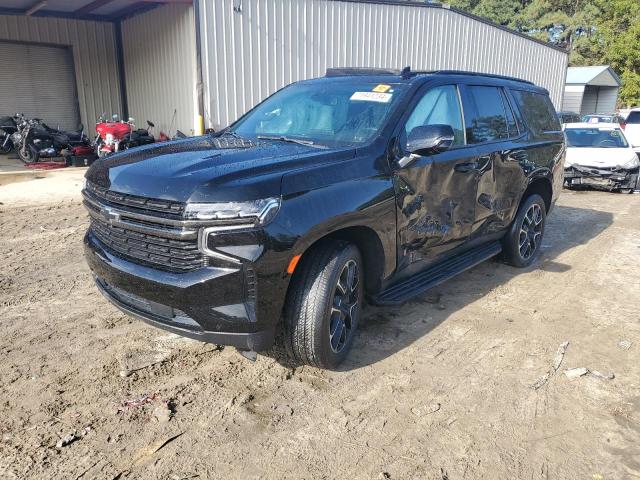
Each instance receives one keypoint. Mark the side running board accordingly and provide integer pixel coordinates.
(429, 278)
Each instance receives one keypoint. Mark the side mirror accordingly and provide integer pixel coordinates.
(430, 139)
(151, 124)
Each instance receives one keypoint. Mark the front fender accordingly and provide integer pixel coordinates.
(364, 203)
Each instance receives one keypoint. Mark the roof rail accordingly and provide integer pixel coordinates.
(407, 72)
(342, 72)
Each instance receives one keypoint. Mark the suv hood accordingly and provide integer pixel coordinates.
(198, 170)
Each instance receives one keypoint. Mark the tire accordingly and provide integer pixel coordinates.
(323, 305)
(521, 245)
(27, 155)
(4, 149)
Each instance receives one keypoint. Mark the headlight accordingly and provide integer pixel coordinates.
(630, 164)
(260, 211)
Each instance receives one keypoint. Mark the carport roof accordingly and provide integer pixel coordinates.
(601, 76)
(100, 10)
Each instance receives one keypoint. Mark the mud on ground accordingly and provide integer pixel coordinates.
(440, 388)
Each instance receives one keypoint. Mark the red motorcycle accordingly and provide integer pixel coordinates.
(116, 135)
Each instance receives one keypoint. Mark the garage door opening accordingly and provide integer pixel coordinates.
(39, 81)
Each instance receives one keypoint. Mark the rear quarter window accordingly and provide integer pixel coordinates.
(538, 112)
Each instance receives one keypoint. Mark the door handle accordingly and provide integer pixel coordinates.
(467, 167)
(480, 165)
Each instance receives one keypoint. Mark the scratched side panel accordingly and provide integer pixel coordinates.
(500, 190)
(435, 206)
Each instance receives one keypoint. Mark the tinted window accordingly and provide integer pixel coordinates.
(569, 118)
(634, 117)
(538, 112)
(511, 120)
(439, 106)
(487, 120)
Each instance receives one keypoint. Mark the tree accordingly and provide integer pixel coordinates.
(618, 44)
(503, 12)
(567, 23)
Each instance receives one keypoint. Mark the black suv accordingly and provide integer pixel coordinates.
(363, 183)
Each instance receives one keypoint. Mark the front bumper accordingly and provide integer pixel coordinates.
(211, 304)
(606, 179)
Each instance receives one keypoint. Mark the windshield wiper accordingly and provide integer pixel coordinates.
(299, 141)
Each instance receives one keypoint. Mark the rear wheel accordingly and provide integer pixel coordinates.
(323, 305)
(521, 245)
(5, 147)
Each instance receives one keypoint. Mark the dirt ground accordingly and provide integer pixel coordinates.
(440, 388)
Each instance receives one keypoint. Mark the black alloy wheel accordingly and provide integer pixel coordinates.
(345, 310)
(530, 232)
(521, 244)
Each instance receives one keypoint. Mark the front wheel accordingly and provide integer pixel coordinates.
(323, 305)
(27, 155)
(521, 245)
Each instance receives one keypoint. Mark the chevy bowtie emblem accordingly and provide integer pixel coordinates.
(109, 214)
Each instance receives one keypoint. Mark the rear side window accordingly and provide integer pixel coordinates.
(633, 118)
(538, 112)
(486, 119)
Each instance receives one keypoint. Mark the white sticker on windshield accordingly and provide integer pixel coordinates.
(371, 97)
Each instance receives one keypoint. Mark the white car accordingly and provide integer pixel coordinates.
(632, 128)
(599, 155)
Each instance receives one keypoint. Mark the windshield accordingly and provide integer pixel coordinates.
(597, 119)
(595, 138)
(324, 113)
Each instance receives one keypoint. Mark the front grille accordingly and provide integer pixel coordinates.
(153, 250)
(136, 202)
(145, 231)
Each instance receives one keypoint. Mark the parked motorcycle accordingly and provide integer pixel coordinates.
(35, 140)
(115, 135)
(8, 126)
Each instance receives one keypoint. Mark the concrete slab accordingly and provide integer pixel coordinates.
(11, 163)
(13, 170)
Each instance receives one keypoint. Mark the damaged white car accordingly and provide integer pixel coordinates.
(599, 156)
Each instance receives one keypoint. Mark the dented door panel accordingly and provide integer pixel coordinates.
(499, 187)
(500, 193)
(435, 205)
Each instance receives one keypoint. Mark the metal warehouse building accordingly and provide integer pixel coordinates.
(191, 64)
(591, 90)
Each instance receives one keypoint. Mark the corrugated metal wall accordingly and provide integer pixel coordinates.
(607, 98)
(94, 57)
(250, 48)
(572, 100)
(160, 65)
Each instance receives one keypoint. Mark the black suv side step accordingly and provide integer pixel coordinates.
(429, 278)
